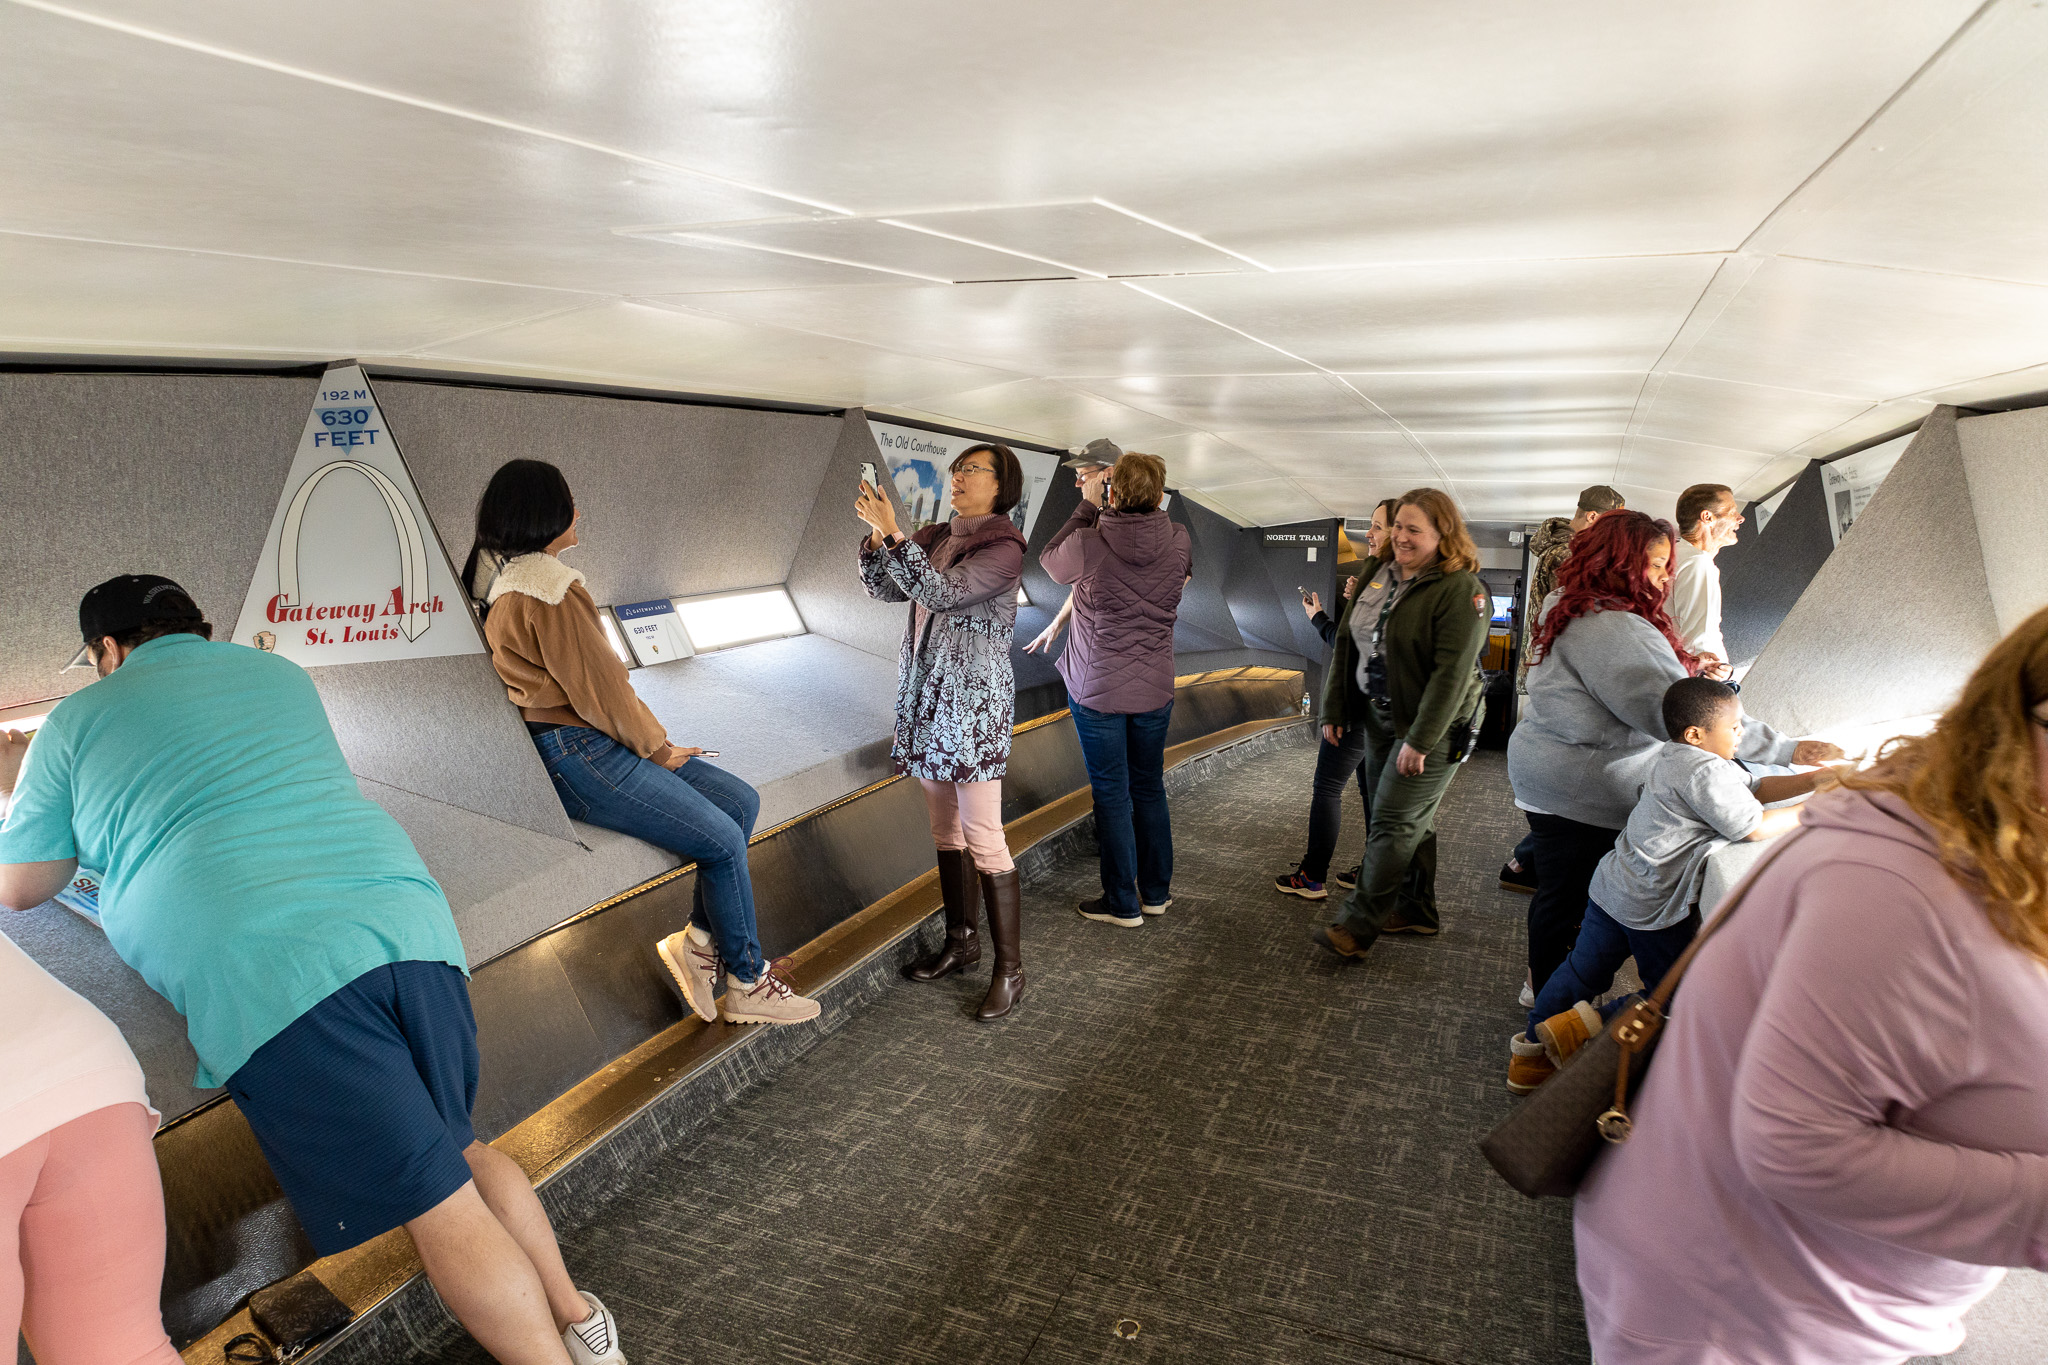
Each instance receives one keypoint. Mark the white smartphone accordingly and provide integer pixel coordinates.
(868, 476)
(708, 753)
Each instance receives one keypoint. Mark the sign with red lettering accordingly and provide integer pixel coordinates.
(352, 572)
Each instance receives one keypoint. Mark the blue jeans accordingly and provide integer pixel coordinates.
(1126, 758)
(697, 812)
(1335, 765)
(1603, 945)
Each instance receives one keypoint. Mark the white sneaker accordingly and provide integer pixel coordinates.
(1158, 909)
(1527, 999)
(595, 1340)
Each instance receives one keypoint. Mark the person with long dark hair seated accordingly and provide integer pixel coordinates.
(1604, 654)
(1339, 759)
(1405, 668)
(610, 759)
(956, 699)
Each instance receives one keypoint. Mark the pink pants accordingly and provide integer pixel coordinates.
(969, 815)
(82, 1243)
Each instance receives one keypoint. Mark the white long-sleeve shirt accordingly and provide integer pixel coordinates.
(1695, 602)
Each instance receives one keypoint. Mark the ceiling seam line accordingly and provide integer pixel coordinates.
(1406, 434)
(425, 351)
(32, 235)
(1947, 45)
(1653, 378)
(398, 97)
(661, 303)
(1910, 270)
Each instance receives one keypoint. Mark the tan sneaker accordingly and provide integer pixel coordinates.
(767, 1001)
(693, 966)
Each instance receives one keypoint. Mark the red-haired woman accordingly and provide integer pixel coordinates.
(1846, 1131)
(1604, 653)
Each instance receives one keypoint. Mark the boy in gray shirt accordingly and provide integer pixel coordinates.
(1644, 897)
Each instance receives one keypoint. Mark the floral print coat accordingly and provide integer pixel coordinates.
(956, 696)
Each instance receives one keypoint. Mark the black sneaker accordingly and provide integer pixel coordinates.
(1349, 880)
(1520, 879)
(1297, 883)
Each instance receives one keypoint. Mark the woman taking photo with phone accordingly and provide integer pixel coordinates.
(610, 759)
(1405, 670)
(1337, 760)
(956, 698)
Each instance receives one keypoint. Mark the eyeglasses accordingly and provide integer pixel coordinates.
(974, 469)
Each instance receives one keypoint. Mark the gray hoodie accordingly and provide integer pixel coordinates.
(1594, 720)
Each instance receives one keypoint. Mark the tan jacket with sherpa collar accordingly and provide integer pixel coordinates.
(547, 645)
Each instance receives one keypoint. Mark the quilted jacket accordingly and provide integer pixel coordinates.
(956, 696)
(1128, 569)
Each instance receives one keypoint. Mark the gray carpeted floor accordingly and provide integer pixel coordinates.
(1204, 1127)
(1203, 1131)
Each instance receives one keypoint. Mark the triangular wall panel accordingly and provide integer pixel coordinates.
(2005, 455)
(1898, 616)
(1763, 573)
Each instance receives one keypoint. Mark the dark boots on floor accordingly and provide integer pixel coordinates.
(1005, 926)
(962, 948)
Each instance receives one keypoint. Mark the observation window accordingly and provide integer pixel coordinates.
(612, 636)
(721, 620)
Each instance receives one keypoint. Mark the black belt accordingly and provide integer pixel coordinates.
(541, 727)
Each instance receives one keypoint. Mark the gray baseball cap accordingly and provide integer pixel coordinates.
(1099, 453)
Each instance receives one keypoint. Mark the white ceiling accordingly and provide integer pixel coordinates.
(1312, 252)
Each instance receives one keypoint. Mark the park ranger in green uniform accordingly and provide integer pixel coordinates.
(1405, 666)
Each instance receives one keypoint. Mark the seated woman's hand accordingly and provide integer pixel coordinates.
(1811, 753)
(674, 758)
(1715, 667)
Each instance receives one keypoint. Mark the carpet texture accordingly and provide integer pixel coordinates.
(1203, 1127)
(1202, 1140)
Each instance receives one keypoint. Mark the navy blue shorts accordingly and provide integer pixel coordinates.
(362, 1104)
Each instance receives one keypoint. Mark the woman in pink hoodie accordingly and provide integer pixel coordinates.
(1845, 1135)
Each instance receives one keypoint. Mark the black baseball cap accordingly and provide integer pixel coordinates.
(132, 601)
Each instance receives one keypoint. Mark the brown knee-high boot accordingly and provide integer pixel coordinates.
(962, 948)
(1005, 926)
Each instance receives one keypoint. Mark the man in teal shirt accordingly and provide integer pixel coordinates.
(289, 919)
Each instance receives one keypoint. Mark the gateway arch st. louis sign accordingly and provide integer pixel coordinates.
(351, 571)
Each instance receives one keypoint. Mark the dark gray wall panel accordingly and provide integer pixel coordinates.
(1248, 589)
(1287, 572)
(115, 473)
(1764, 573)
(1205, 620)
(824, 575)
(1897, 617)
(676, 499)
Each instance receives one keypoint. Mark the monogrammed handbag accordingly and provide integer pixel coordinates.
(1546, 1146)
